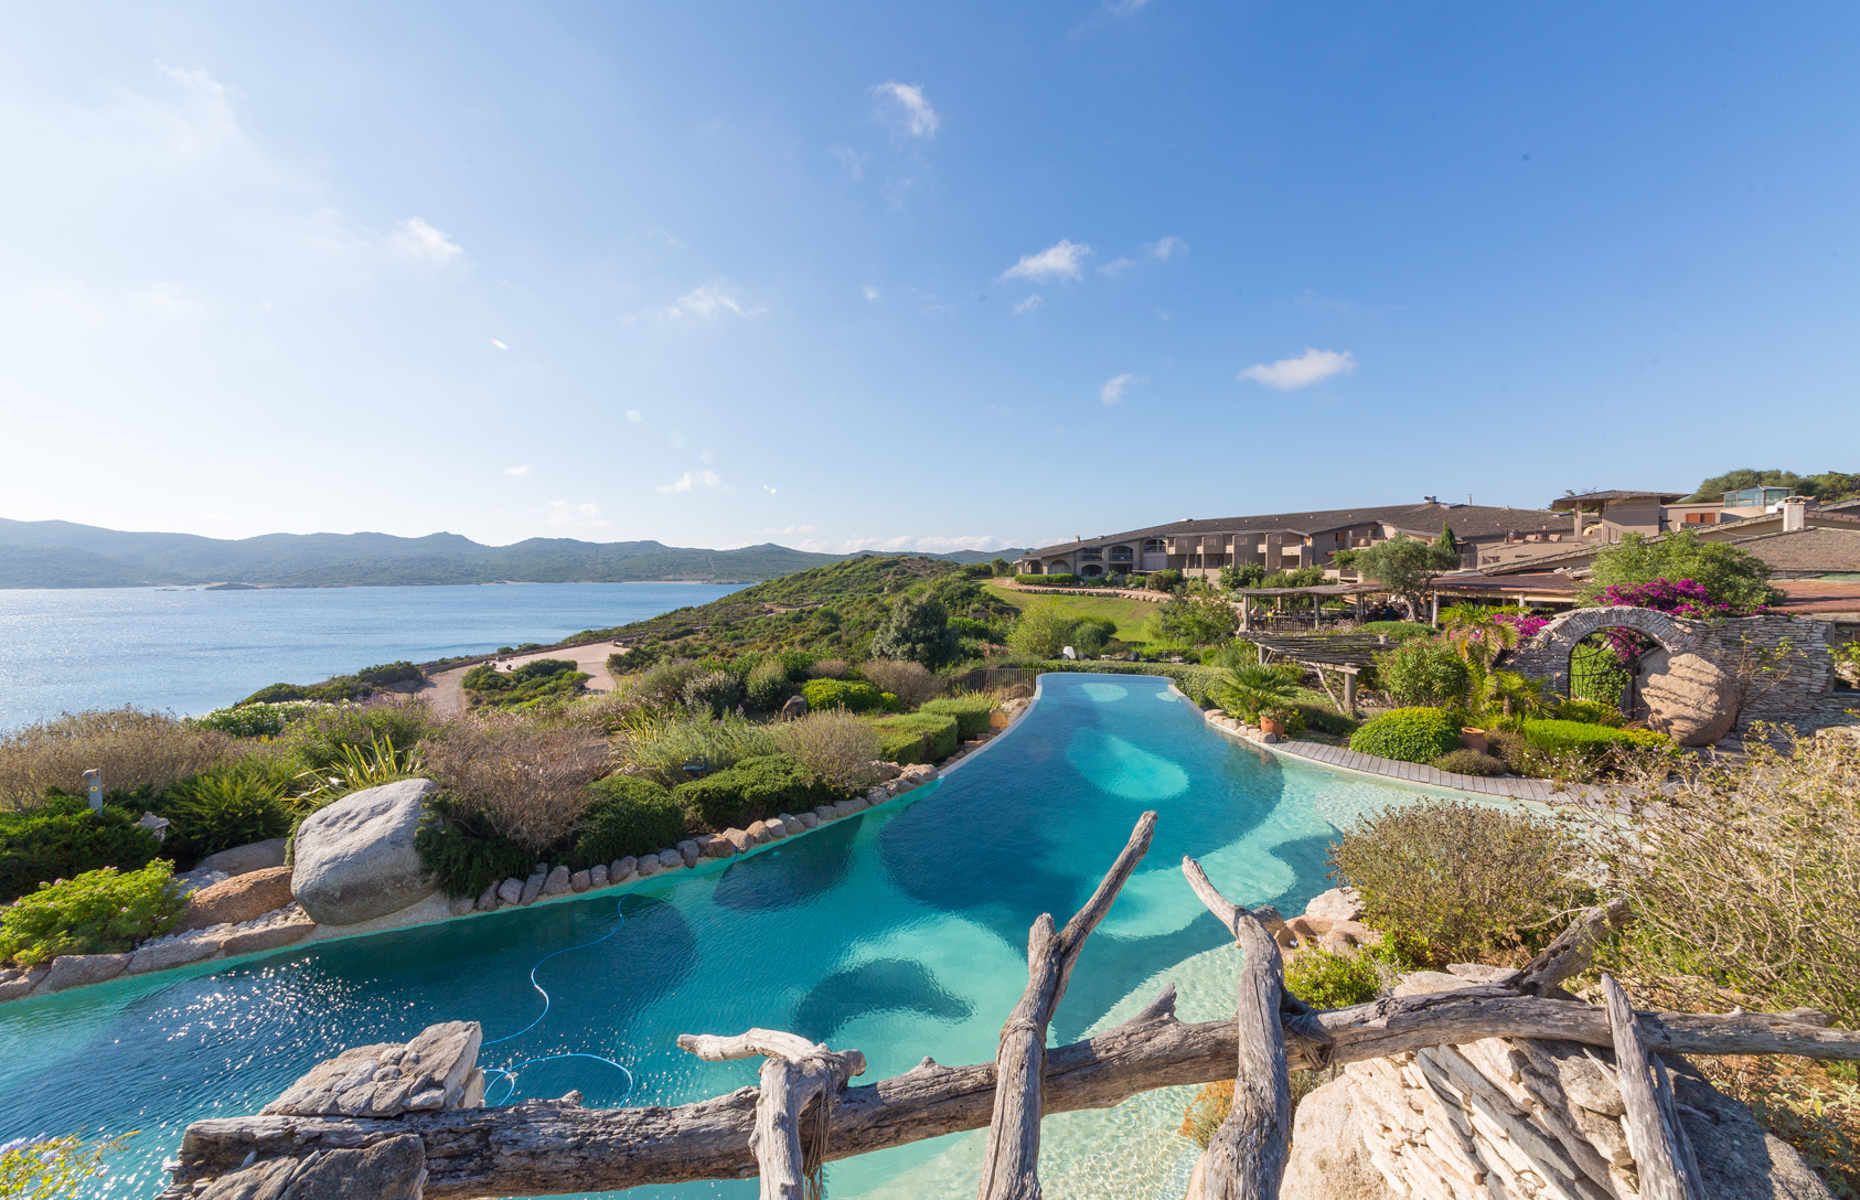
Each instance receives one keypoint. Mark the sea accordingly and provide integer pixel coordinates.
(192, 650)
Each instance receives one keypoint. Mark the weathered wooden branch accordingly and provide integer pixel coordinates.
(1572, 951)
(549, 1147)
(795, 1073)
(1655, 1138)
(1010, 1166)
(1246, 1157)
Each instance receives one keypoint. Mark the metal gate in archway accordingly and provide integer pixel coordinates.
(1605, 667)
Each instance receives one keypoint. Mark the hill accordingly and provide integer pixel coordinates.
(59, 554)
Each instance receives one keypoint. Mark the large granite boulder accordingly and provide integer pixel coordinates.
(239, 899)
(1329, 1159)
(1688, 697)
(437, 1070)
(394, 1169)
(241, 860)
(355, 858)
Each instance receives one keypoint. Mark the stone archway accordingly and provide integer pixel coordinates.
(1686, 692)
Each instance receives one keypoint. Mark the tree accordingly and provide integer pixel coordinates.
(916, 631)
(1042, 631)
(1197, 616)
(1242, 575)
(1001, 566)
(1728, 575)
(1447, 545)
(1250, 688)
(1743, 477)
(1405, 566)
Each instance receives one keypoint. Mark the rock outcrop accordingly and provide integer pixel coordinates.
(242, 860)
(394, 1169)
(242, 898)
(1688, 697)
(436, 1070)
(355, 858)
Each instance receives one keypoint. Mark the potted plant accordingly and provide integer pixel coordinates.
(1272, 721)
(1473, 738)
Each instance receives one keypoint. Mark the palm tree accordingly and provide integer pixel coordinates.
(1250, 688)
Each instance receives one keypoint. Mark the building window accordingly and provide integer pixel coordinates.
(1153, 546)
(1120, 554)
(1093, 555)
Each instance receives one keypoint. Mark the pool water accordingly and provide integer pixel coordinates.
(900, 932)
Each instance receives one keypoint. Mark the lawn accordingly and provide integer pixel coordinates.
(1129, 614)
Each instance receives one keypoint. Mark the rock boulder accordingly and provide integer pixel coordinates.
(394, 1169)
(1688, 697)
(241, 898)
(355, 858)
(242, 860)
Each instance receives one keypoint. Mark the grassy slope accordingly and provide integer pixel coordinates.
(1130, 615)
(828, 610)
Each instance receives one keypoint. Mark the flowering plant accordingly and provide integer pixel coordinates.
(1684, 598)
(1528, 625)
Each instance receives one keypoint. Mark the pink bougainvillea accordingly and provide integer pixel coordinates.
(1528, 625)
(1684, 598)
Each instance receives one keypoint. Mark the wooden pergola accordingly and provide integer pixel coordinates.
(1317, 593)
(1345, 653)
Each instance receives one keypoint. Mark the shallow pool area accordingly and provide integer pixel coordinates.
(900, 932)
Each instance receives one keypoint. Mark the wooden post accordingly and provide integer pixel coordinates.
(795, 1073)
(1010, 1166)
(1349, 691)
(1433, 609)
(1654, 1136)
(1246, 613)
(1245, 1160)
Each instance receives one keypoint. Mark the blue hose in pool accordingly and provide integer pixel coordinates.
(508, 1074)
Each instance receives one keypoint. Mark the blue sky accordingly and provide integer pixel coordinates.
(873, 275)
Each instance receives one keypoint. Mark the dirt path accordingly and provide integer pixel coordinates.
(446, 694)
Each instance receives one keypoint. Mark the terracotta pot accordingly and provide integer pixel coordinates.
(1473, 739)
(1272, 725)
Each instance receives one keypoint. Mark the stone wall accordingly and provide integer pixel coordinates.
(1806, 680)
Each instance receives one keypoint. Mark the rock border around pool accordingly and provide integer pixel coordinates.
(217, 895)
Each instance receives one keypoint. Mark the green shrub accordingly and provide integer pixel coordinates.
(664, 685)
(917, 630)
(1251, 687)
(1164, 581)
(712, 693)
(919, 737)
(229, 806)
(1589, 712)
(105, 911)
(853, 695)
(356, 767)
(912, 683)
(135, 750)
(1042, 630)
(628, 817)
(522, 778)
(464, 851)
(61, 837)
(838, 747)
(661, 746)
(1550, 736)
(752, 789)
(1326, 980)
(321, 739)
(1416, 735)
(1470, 762)
(359, 686)
(52, 1168)
(1055, 579)
(971, 713)
(766, 687)
(1455, 882)
(1422, 671)
(537, 682)
(255, 720)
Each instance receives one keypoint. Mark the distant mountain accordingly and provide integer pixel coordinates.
(58, 554)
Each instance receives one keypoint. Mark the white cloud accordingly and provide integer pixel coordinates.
(570, 513)
(770, 489)
(1023, 307)
(713, 300)
(850, 160)
(870, 293)
(691, 480)
(519, 471)
(415, 239)
(500, 345)
(1063, 259)
(921, 118)
(1113, 389)
(1165, 248)
(1117, 266)
(1289, 374)
(634, 416)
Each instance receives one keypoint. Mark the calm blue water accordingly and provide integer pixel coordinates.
(192, 651)
(901, 932)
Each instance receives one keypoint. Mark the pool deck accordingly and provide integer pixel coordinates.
(1542, 791)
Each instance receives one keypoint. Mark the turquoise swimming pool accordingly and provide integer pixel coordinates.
(901, 932)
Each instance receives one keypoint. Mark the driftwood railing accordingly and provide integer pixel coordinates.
(805, 1113)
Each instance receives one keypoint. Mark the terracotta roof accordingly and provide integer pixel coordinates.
(1805, 597)
(1467, 520)
(1736, 532)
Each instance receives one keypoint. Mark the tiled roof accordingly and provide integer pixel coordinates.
(1820, 549)
(1467, 520)
(1736, 532)
(1565, 503)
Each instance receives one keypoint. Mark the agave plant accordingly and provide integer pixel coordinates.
(356, 767)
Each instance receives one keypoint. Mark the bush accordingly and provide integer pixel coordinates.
(537, 682)
(60, 837)
(52, 1167)
(971, 713)
(1164, 581)
(255, 720)
(661, 746)
(1747, 874)
(229, 806)
(766, 687)
(134, 749)
(1589, 712)
(1416, 735)
(712, 693)
(664, 685)
(910, 682)
(1456, 882)
(752, 789)
(524, 781)
(1470, 762)
(919, 737)
(1726, 579)
(1325, 980)
(359, 686)
(105, 911)
(464, 852)
(1592, 742)
(838, 747)
(1042, 631)
(1090, 636)
(1423, 672)
(322, 740)
(1056, 579)
(627, 817)
(850, 694)
(917, 630)
(829, 668)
